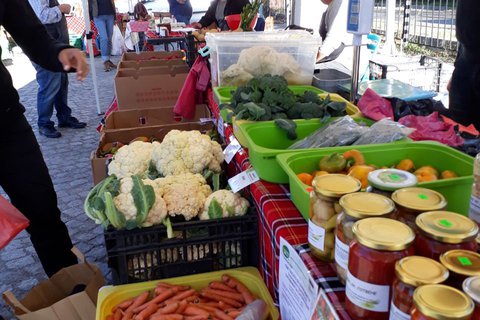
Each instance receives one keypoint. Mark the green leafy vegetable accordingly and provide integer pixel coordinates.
(143, 197)
(215, 210)
(167, 223)
(116, 218)
(288, 126)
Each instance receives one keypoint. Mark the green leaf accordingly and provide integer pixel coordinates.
(167, 223)
(231, 211)
(94, 205)
(117, 219)
(216, 182)
(207, 174)
(131, 224)
(152, 172)
(143, 197)
(215, 210)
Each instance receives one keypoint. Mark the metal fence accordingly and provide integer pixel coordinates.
(427, 22)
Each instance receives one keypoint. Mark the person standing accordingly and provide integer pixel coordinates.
(181, 10)
(103, 13)
(53, 86)
(23, 173)
(218, 10)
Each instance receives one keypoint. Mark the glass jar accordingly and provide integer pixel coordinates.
(324, 208)
(461, 264)
(440, 302)
(471, 286)
(379, 243)
(386, 181)
(410, 273)
(413, 201)
(356, 206)
(441, 231)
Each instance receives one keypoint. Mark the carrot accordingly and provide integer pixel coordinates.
(194, 299)
(222, 315)
(216, 297)
(182, 295)
(210, 309)
(157, 300)
(192, 310)
(234, 313)
(230, 295)
(139, 300)
(305, 178)
(172, 286)
(182, 305)
(118, 315)
(195, 318)
(169, 308)
(109, 317)
(221, 286)
(128, 315)
(234, 283)
(168, 317)
(147, 312)
(124, 304)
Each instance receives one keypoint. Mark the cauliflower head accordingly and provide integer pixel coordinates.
(235, 75)
(132, 159)
(184, 194)
(232, 204)
(187, 152)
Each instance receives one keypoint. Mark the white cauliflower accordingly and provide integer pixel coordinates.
(231, 204)
(187, 152)
(132, 159)
(184, 194)
(235, 76)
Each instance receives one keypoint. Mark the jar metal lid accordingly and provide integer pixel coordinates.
(442, 302)
(391, 179)
(471, 286)
(446, 226)
(335, 185)
(383, 234)
(464, 262)
(419, 199)
(418, 271)
(364, 205)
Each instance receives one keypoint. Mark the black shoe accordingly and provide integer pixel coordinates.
(49, 132)
(73, 123)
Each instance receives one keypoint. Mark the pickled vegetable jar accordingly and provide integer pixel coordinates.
(441, 231)
(379, 243)
(471, 286)
(461, 264)
(324, 208)
(412, 272)
(440, 302)
(413, 201)
(356, 206)
(386, 181)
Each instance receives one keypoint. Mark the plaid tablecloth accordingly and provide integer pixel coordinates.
(278, 217)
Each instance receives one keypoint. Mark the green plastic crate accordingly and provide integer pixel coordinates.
(224, 94)
(265, 141)
(456, 190)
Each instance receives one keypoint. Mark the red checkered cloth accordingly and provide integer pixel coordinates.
(75, 25)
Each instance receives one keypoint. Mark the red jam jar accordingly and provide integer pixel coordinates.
(379, 243)
(412, 272)
(440, 302)
(471, 286)
(441, 231)
(461, 264)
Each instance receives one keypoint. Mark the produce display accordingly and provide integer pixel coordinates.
(108, 149)
(225, 299)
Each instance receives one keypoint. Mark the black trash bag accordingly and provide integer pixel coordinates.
(422, 107)
(471, 146)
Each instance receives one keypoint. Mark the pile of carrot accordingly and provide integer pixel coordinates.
(221, 300)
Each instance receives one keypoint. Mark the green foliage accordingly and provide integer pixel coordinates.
(288, 126)
(143, 197)
(215, 210)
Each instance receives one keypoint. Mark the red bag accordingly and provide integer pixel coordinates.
(374, 106)
(12, 222)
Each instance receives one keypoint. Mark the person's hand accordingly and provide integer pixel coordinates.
(196, 25)
(65, 8)
(74, 58)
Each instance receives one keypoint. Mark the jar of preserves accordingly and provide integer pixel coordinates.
(356, 206)
(410, 273)
(440, 302)
(461, 264)
(441, 231)
(413, 201)
(471, 286)
(379, 243)
(386, 181)
(324, 208)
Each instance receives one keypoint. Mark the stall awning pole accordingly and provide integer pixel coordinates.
(389, 46)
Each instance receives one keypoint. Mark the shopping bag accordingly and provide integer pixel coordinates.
(374, 106)
(118, 43)
(12, 222)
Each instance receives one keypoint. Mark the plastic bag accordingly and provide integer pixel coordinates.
(257, 310)
(118, 43)
(384, 131)
(341, 132)
(11, 222)
(374, 106)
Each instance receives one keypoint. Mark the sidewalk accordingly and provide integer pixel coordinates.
(68, 161)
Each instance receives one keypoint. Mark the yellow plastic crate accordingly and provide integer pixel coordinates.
(110, 296)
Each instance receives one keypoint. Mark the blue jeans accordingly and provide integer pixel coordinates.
(52, 92)
(104, 24)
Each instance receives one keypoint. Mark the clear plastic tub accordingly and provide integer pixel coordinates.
(268, 56)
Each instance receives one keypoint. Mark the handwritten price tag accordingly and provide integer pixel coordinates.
(243, 180)
(231, 150)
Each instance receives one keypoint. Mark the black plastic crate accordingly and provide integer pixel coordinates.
(198, 246)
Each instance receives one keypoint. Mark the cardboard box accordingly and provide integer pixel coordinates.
(149, 87)
(99, 165)
(153, 55)
(138, 64)
(51, 299)
(150, 117)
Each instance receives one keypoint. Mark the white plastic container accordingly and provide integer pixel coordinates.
(291, 54)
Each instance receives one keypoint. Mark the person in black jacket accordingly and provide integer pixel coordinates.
(464, 104)
(217, 12)
(23, 173)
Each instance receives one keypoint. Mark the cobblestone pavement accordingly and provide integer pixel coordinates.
(68, 161)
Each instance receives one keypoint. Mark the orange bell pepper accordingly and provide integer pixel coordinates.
(448, 174)
(427, 169)
(305, 178)
(356, 155)
(361, 173)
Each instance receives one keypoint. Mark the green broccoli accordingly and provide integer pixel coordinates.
(310, 96)
(289, 126)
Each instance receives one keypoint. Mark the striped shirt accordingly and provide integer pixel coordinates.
(43, 11)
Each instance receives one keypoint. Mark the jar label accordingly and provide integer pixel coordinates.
(367, 296)
(474, 212)
(316, 236)
(341, 253)
(397, 314)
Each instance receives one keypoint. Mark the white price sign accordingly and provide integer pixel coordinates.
(221, 126)
(243, 180)
(231, 150)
